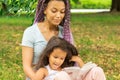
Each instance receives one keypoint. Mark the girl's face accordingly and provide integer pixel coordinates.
(55, 12)
(57, 58)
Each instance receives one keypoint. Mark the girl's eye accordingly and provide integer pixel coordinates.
(62, 58)
(55, 57)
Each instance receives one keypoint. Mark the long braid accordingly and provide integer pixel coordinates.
(39, 11)
(66, 26)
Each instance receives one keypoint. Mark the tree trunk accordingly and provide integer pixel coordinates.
(115, 7)
(4, 9)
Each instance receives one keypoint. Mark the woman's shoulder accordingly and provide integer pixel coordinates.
(60, 27)
(31, 28)
(60, 31)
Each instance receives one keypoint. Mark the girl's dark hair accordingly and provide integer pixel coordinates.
(39, 17)
(56, 42)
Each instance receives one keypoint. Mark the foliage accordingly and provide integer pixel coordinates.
(98, 42)
(28, 6)
(19, 6)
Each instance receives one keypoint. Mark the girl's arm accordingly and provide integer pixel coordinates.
(41, 74)
(78, 60)
(27, 56)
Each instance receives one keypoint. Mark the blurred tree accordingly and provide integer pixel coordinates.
(3, 8)
(115, 7)
(17, 6)
(75, 1)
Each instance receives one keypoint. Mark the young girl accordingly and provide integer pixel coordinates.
(59, 54)
(54, 58)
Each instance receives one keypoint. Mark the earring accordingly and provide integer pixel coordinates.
(44, 17)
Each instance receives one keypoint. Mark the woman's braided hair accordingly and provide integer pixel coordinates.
(39, 17)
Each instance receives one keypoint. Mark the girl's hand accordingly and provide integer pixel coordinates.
(78, 60)
(75, 58)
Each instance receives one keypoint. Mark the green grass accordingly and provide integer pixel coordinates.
(10, 52)
(96, 36)
(92, 4)
(15, 20)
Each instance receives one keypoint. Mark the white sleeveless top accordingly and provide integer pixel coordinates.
(51, 73)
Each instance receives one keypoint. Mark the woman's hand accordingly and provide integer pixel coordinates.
(78, 60)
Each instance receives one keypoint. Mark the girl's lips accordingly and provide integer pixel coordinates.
(56, 65)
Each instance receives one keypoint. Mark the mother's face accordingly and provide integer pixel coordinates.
(55, 12)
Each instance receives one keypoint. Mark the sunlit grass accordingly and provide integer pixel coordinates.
(96, 37)
(15, 20)
(92, 4)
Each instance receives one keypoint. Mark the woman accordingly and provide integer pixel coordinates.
(52, 19)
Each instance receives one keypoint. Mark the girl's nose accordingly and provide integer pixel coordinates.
(57, 61)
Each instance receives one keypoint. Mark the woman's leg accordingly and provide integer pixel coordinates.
(62, 76)
(96, 73)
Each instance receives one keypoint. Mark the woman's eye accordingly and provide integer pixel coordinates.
(62, 11)
(53, 11)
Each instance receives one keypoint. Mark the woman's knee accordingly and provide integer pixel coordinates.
(98, 73)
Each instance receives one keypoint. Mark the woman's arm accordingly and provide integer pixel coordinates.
(27, 57)
(78, 60)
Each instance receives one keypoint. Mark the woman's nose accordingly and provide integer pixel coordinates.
(58, 14)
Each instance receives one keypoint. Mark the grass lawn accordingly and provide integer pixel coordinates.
(92, 4)
(96, 37)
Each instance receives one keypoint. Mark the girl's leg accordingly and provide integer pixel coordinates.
(62, 76)
(96, 73)
(27, 78)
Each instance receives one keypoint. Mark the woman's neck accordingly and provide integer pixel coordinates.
(49, 26)
(47, 29)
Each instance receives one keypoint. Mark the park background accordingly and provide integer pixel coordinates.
(97, 35)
